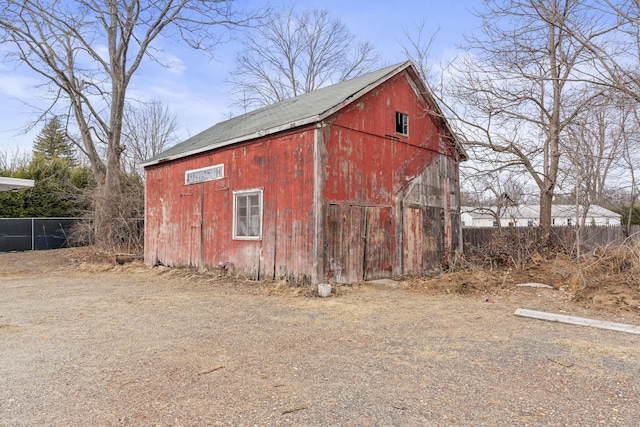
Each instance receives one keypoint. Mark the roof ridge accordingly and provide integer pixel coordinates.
(292, 112)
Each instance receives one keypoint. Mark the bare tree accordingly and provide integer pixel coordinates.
(616, 56)
(87, 52)
(616, 48)
(295, 53)
(497, 191)
(12, 161)
(631, 160)
(417, 46)
(149, 128)
(594, 145)
(520, 86)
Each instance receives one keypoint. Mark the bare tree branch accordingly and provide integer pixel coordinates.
(88, 51)
(520, 85)
(295, 53)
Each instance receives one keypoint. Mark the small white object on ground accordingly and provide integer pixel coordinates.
(324, 289)
(535, 285)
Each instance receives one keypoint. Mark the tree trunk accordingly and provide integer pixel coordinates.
(546, 199)
(107, 202)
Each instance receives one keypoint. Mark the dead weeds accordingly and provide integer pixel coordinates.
(607, 279)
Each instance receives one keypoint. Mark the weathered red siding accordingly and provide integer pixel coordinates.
(367, 162)
(192, 224)
(345, 199)
(367, 165)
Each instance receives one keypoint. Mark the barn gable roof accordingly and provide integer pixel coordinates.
(301, 110)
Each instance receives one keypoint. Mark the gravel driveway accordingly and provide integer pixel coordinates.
(87, 345)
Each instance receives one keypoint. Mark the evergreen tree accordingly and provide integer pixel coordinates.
(61, 185)
(12, 203)
(53, 143)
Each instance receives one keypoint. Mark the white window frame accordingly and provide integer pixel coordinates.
(246, 193)
(404, 125)
(204, 175)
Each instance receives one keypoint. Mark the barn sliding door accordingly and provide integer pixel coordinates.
(358, 242)
(191, 236)
(377, 257)
(423, 239)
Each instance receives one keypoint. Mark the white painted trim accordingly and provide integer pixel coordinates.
(14, 184)
(259, 134)
(318, 179)
(193, 171)
(552, 317)
(260, 192)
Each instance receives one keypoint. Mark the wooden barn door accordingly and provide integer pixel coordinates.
(377, 256)
(192, 225)
(423, 239)
(358, 242)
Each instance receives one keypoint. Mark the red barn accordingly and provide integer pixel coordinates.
(354, 181)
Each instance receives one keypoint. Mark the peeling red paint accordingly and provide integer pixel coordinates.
(369, 213)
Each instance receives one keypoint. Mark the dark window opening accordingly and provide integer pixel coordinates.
(402, 124)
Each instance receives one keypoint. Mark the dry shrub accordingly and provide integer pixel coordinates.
(609, 279)
(460, 262)
(576, 280)
(514, 247)
(619, 259)
(82, 233)
(122, 216)
(619, 263)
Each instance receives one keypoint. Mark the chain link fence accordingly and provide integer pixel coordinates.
(32, 234)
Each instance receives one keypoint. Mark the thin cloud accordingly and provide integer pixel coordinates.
(17, 85)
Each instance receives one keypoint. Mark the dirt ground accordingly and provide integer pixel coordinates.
(85, 341)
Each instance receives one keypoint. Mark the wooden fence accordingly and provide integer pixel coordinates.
(590, 236)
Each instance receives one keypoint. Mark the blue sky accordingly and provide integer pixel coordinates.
(195, 88)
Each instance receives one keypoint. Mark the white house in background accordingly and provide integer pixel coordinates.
(529, 216)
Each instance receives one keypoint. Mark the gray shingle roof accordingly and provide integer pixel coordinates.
(301, 110)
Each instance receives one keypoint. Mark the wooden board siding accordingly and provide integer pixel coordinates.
(423, 239)
(367, 161)
(434, 192)
(378, 243)
(357, 243)
(191, 225)
(413, 251)
(191, 220)
(368, 164)
(344, 199)
(344, 244)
